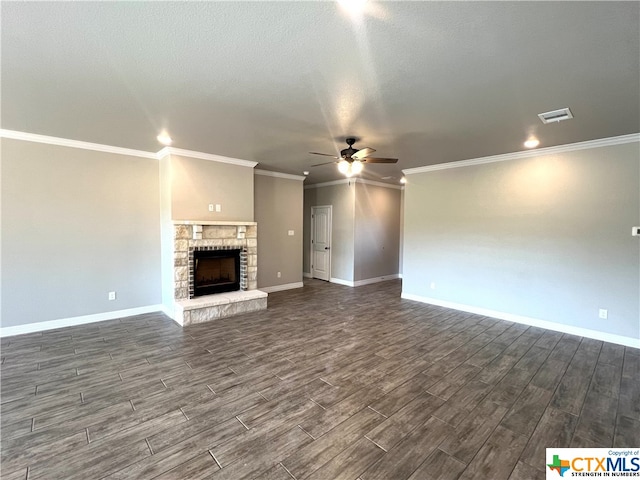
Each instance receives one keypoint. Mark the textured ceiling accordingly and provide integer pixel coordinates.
(427, 82)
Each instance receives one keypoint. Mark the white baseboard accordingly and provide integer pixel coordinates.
(366, 281)
(279, 288)
(533, 322)
(339, 281)
(307, 275)
(81, 320)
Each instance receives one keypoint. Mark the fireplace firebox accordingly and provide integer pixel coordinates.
(216, 271)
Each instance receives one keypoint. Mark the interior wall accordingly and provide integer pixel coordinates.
(377, 231)
(76, 224)
(166, 235)
(196, 183)
(547, 237)
(342, 198)
(278, 209)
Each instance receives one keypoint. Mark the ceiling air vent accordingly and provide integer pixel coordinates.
(555, 116)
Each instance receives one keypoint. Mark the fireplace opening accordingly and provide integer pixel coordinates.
(215, 271)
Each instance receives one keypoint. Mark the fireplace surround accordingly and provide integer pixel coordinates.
(207, 239)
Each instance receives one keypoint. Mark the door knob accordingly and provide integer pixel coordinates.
(327, 248)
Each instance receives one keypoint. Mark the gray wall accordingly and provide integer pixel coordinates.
(342, 198)
(547, 237)
(377, 231)
(196, 183)
(278, 209)
(76, 224)
(166, 234)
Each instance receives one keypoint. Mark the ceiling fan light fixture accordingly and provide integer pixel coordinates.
(356, 167)
(343, 167)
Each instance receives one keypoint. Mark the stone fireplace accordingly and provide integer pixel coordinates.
(225, 288)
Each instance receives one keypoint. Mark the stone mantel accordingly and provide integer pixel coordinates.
(213, 222)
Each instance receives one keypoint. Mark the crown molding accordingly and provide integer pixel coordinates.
(570, 147)
(97, 147)
(65, 142)
(354, 180)
(329, 184)
(204, 156)
(379, 184)
(288, 176)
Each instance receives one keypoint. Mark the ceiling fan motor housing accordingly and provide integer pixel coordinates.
(347, 153)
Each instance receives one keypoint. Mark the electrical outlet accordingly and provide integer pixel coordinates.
(112, 295)
(211, 207)
(279, 274)
(433, 285)
(603, 313)
(291, 232)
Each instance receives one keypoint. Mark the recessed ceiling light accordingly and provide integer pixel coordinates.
(353, 7)
(164, 138)
(403, 180)
(306, 172)
(532, 143)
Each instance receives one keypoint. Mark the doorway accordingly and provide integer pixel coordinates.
(321, 242)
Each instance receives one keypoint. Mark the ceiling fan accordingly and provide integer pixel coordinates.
(351, 160)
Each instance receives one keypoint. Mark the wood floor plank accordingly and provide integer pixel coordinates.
(277, 472)
(400, 396)
(350, 463)
(627, 432)
(606, 380)
(401, 423)
(321, 383)
(596, 424)
(405, 457)
(497, 457)
(439, 466)
(309, 458)
(554, 430)
(527, 410)
(525, 472)
(472, 432)
(260, 454)
(339, 412)
(200, 466)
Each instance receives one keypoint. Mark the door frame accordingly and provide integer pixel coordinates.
(329, 233)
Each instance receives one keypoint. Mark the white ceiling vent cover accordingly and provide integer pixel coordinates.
(555, 115)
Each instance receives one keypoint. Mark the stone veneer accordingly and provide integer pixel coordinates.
(191, 236)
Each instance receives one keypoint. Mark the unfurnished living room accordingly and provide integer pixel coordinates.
(357, 240)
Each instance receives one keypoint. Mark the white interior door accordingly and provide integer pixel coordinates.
(321, 242)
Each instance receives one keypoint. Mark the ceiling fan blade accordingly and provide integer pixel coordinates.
(380, 160)
(319, 164)
(324, 154)
(363, 152)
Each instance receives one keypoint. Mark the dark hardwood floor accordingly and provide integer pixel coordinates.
(330, 382)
